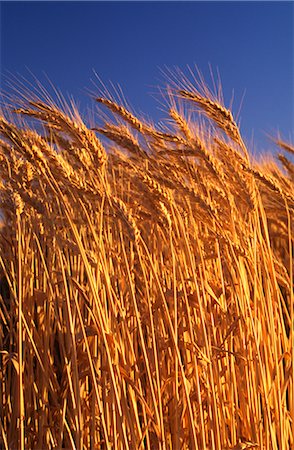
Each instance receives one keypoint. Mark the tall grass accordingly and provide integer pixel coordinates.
(146, 281)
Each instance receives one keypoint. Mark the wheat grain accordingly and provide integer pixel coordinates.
(146, 285)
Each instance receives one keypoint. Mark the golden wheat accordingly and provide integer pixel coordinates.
(146, 293)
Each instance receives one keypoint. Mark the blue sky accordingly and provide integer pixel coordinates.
(250, 43)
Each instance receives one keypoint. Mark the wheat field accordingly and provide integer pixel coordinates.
(146, 279)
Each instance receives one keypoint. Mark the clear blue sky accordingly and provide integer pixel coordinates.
(251, 44)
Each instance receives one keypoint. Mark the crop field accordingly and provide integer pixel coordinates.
(146, 279)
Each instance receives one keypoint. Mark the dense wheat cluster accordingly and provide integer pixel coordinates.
(146, 281)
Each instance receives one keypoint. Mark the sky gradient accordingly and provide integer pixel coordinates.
(250, 43)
